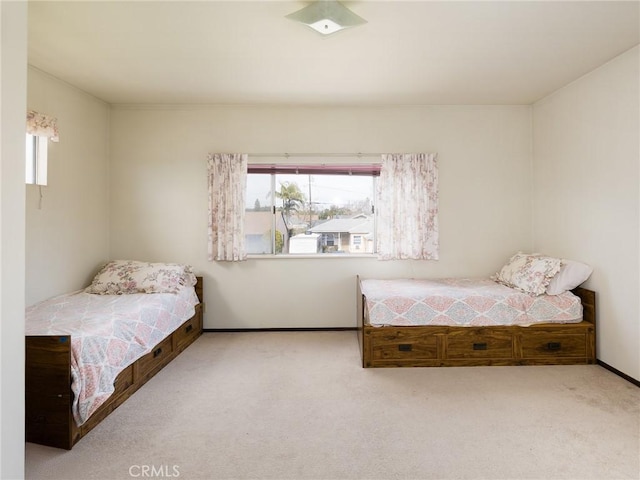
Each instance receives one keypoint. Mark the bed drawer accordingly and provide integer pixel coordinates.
(189, 331)
(558, 345)
(402, 344)
(479, 345)
(155, 359)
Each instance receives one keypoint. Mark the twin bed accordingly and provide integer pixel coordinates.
(531, 313)
(87, 352)
(389, 339)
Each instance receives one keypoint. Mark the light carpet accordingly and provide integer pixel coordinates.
(298, 405)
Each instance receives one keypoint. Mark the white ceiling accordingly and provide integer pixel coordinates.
(247, 52)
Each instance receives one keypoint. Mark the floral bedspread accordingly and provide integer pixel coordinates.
(463, 302)
(108, 333)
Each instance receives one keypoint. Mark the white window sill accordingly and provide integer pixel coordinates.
(289, 256)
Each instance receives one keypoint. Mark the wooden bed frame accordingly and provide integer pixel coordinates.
(434, 346)
(48, 396)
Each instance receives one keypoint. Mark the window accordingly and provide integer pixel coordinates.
(36, 160)
(310, 209)
(40, 129)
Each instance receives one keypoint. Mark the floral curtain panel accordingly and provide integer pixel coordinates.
(42, 125)
(407, 203)
(227, 186)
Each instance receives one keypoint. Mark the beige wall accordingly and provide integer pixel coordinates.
(159, 197)
(13, 95)
(68, 229)
(586, 203)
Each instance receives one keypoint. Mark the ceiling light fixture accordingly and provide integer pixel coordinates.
(327, 17)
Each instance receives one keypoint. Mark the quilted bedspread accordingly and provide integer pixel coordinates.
(108, 333)
(463, 302)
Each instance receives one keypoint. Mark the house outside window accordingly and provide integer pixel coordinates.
(346, 234)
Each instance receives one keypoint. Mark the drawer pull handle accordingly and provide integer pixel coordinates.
(157, 352)
(554, 346)
(189, 328)
(480, 346)
(405, 347)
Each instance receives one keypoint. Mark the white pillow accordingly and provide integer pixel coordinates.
(571, 275)
(530, 273)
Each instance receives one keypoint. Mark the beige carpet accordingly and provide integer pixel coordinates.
(297, 405)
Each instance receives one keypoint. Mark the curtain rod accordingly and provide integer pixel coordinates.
(287, 155)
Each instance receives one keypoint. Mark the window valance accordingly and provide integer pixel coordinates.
(42, 125)
(323, 169)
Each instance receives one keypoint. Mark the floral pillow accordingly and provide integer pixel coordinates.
(121, 277)
(530, 273)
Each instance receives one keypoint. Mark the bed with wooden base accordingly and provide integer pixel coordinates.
(48, 404)
(446, 345)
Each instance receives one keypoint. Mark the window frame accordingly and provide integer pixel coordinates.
(368, 170)
(36, 159)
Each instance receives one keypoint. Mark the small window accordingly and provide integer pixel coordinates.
(36, 160)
